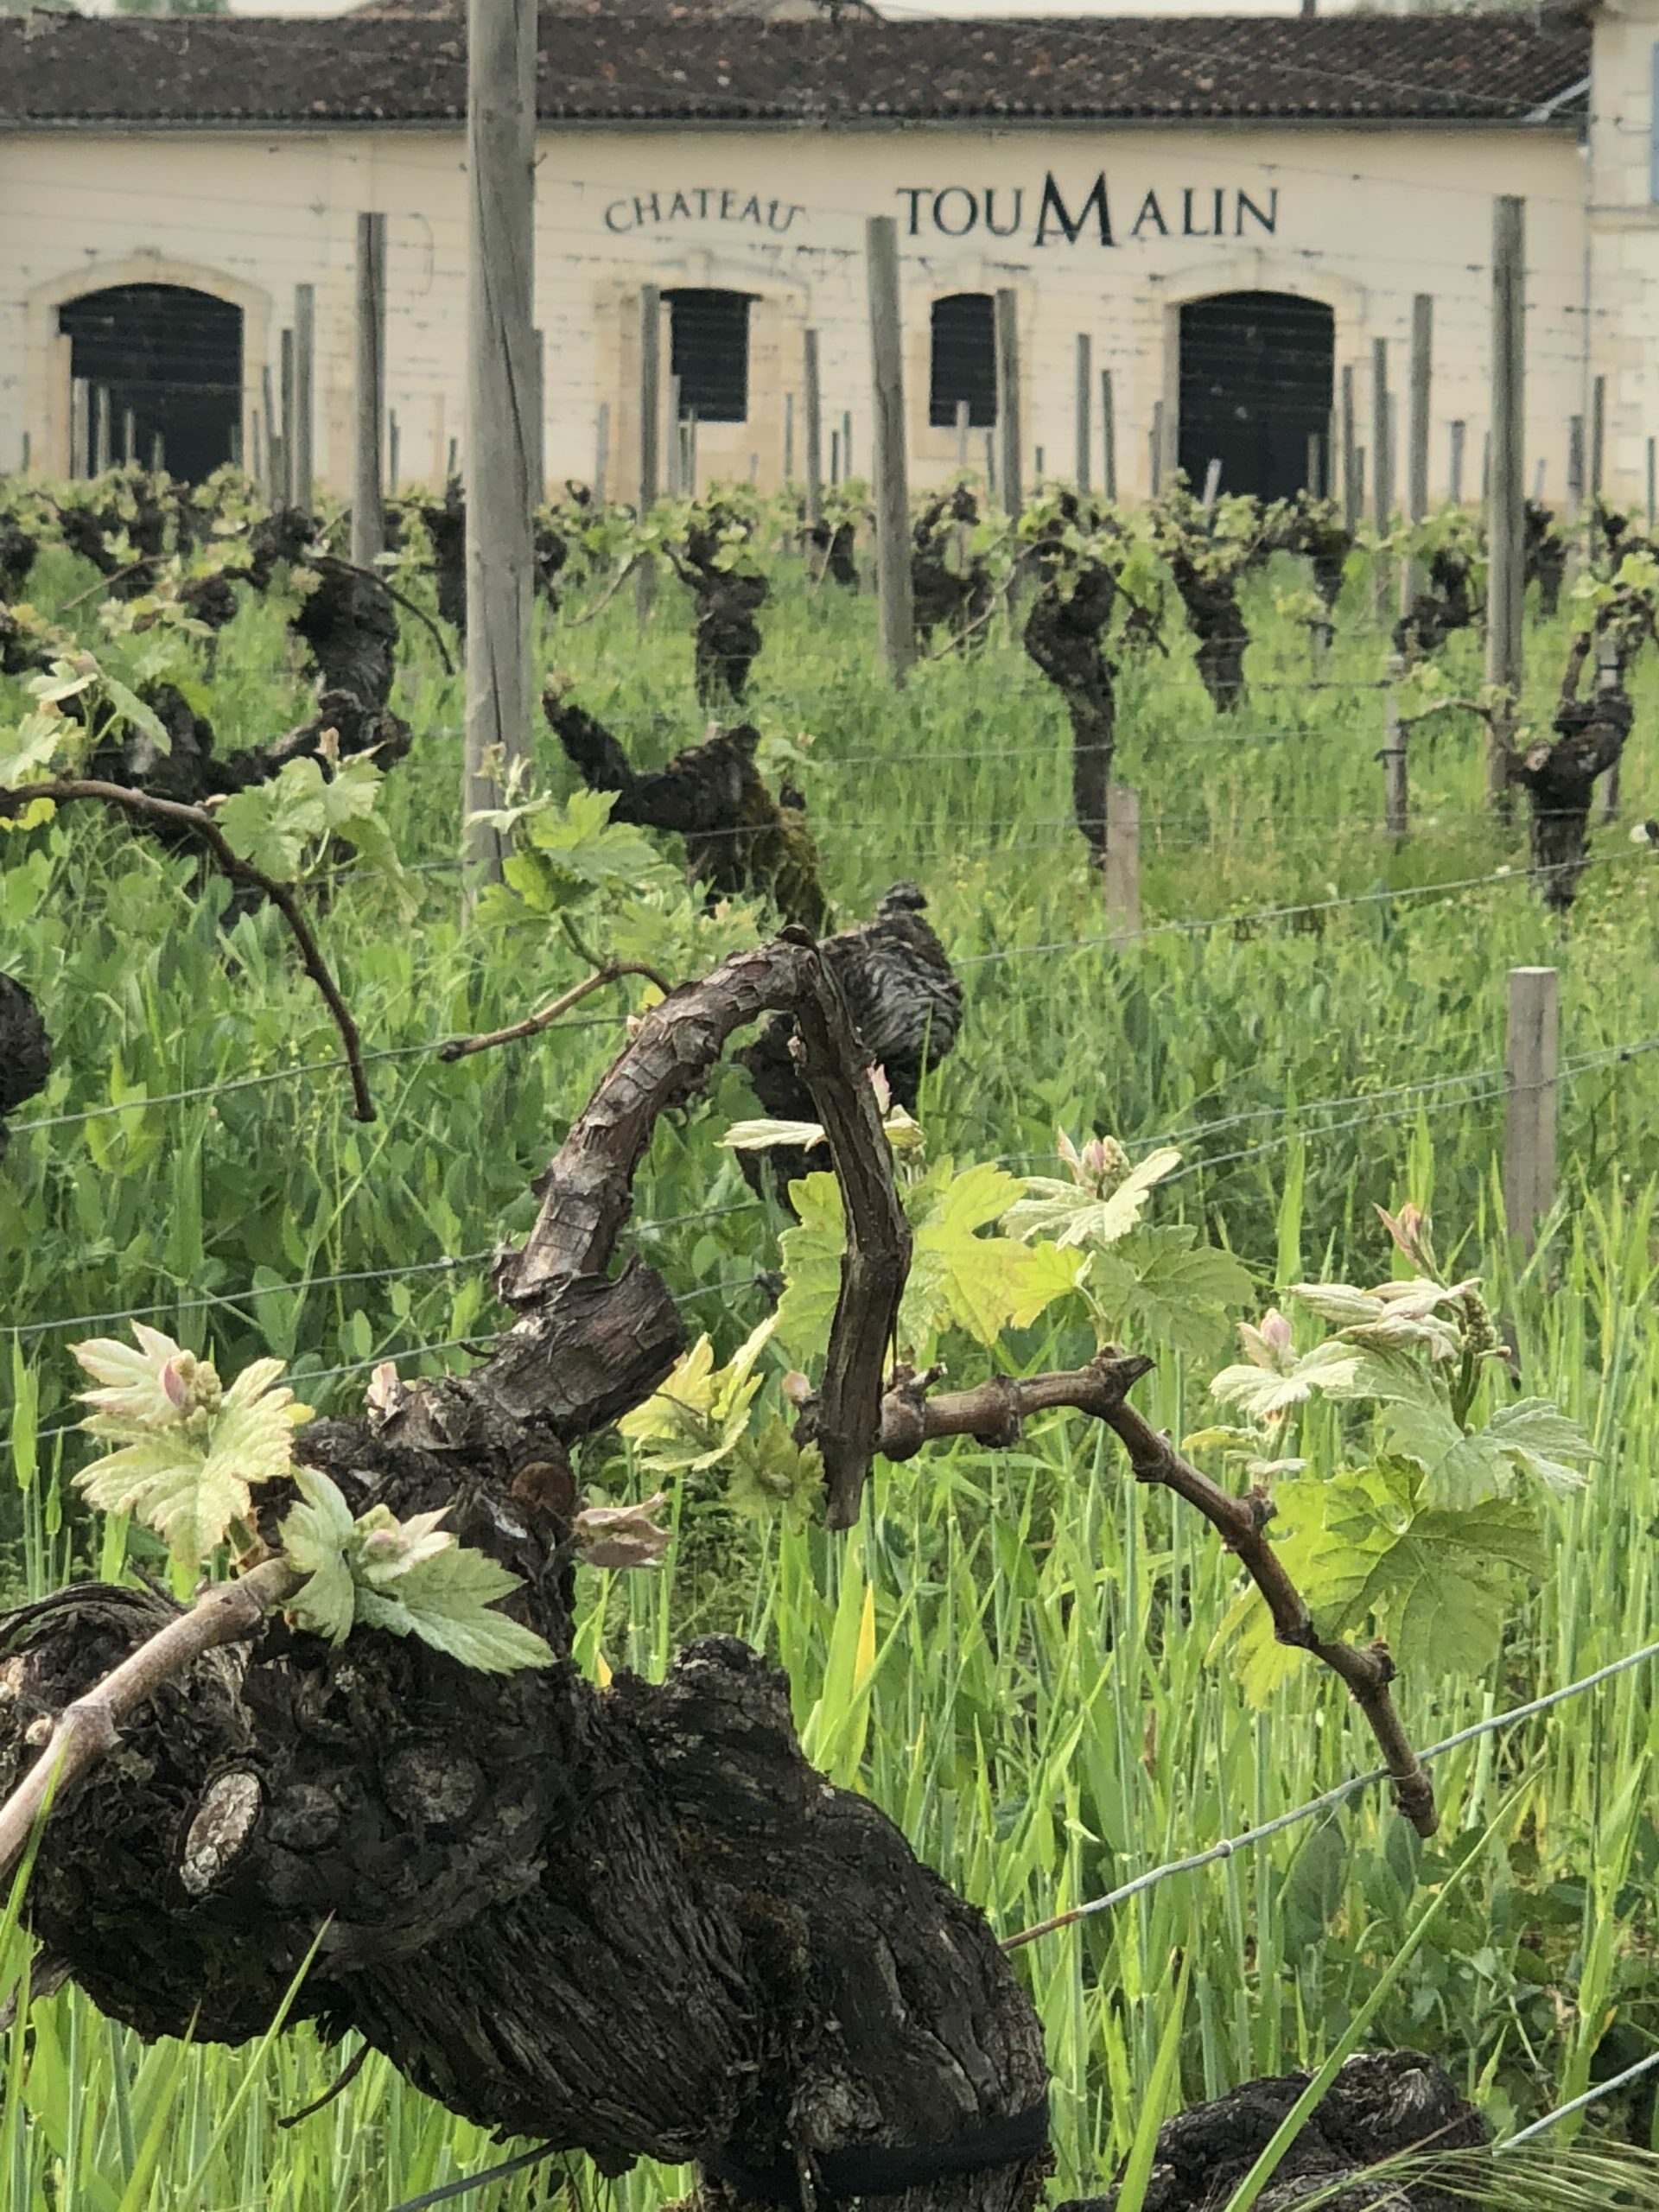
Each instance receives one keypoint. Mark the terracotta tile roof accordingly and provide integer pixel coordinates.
(626, 63)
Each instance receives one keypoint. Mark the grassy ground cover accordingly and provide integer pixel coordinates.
(1013, 1654)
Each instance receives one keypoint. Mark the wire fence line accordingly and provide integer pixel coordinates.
(1327, 1801)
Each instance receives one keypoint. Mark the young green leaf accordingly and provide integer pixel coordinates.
(449, 1602)
(316, 1536)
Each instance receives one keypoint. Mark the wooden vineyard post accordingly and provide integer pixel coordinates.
(1422, 361)
(130, 436)
(502, 396)
(1037, 468)
(1122, 869)
(538, 420)
(1353, 468)
(273, 482)
(964, 432)
(394, 450)
(1082, 464)
(1575, 467)
(368, 505)
(990, 468)
(892, 578)
(80, 427)
(602, 453)
(285, 381)
(835, 457)
(690, 473)
(1531, 1060)
(1381, 468)
(1107, 437)
(257, 447)
(101, 454)
(675, 441)
(1459, 438)
(651, 419)
(846, 444)
(1155, 474)
(1313, 467)
(812, 398)
(1008, 401)
(302, 464)
(1394, 797)
(1506, 517)
(157, 454)
(1598, 435)
(1211, 485)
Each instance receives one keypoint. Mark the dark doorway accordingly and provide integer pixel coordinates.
(174, 357)
(1256, 381)
(708, 352)
(964, 360)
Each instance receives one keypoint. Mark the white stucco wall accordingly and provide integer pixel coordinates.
(1360, 219)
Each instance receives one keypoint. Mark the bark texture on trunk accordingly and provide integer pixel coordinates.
(632, 1922)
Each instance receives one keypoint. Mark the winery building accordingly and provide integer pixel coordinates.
(1233, 210)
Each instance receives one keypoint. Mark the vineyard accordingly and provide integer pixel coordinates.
(1181, 1326)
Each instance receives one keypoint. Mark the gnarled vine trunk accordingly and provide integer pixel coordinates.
(632, 1921)
(1063, 636)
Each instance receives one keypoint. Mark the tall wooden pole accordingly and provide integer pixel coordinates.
(1506, 514)
(130, 436)
(1575, 467)
(893, 581)
(271, 480)
(502, 429)
(812, 427)
(1422, 363)
(1529, 1134)
(102, 454)
(80, 427)
(1598, 435)
(1460, 435)
(368, 505)
(285, 377)
(1382, 455)
(1086, 405)
(651, 426)
(964, 432)
(538, 418)
(1008, 402)
(1353, 476)
(1108, 436)
(301, 465)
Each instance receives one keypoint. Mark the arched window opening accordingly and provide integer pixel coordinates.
(171, 358)
(963, 360)
(708, 352)
(1257, 373)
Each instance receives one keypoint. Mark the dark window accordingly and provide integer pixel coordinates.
(709, 353)
(964, 360)
(172, 359)
(1256, 380)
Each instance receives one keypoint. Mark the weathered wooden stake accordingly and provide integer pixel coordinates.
(1395, 795)
(1460, 433)
(394, 451)
(1575, 467)
(130, 436)
(1382, 470)
(990, 468)
(1108, 436)
(1422, 365)
(285, 378)
(602, 453)
(80, 427)
(1353, 469)
(368, 503)
(1532, 1060)
(502, 403)
(1122, 869)
(812, 399)
(964, 426)
(1008, 402)
(1085, 413)
(847, 445)
(158, 454)
(302, 466)
(1211, 485)
(100, 428)
(453, 462)
(1506, 513)
(893, 580)
(835, 456)
(1598, 435)
(257, 446)
(538, 420)
(675, 441)
(650, 424)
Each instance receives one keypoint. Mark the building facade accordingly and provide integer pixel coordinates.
(1234, 210)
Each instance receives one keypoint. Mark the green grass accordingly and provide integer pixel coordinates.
(1043, 1714)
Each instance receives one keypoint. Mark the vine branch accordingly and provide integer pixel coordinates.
(228, 1612)
(992, 1413)
(610, 972)
(200, 824)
